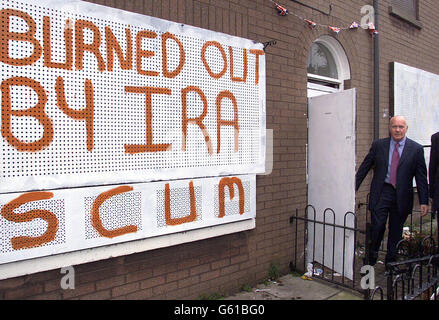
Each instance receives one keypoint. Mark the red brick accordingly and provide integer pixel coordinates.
(100, 295)
(210, 275)
(199, 269)
(24, 292)
(139, 275)
(125, 289)
(110, 282)
(152, 282)
(140, 295)
(79, 290)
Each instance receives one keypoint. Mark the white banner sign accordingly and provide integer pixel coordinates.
(93, 95)
(117, 126)
(41, 223)
(416, 96)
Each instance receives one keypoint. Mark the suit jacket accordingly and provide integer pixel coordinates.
(433, 170)
(411, 165)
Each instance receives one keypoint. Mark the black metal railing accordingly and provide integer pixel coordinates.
(413, 276)
(331, 239)
(421, 238)
(412, 279)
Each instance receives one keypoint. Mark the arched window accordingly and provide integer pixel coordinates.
(327, 66)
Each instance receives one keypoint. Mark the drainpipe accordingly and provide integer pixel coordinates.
(376, 77)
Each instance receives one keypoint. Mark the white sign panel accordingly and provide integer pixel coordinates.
(93, 95)
(41, 223)
(117, 126)
(416, 96)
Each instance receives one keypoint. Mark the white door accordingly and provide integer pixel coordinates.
(331, 179)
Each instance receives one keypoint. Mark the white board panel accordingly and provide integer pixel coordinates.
(38, 224)
(331, 180)
(93, 95)
(416, 97)
(119, 127)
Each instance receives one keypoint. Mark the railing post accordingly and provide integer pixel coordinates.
(390, 284)
(367, 244)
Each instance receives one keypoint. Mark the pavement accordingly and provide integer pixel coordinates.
(294, 287)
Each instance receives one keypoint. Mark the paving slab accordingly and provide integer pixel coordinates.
(291, 287)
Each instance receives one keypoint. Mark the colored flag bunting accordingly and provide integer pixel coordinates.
(354, 25)
(281, 10)
(335, 29)
(372, 29)
(311, 24)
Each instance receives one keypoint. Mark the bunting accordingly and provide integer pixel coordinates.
(335, 29)
(283, 11)
(311, 24)
(354, 25)
(372, 29)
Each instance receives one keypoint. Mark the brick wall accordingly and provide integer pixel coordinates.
(224, 264)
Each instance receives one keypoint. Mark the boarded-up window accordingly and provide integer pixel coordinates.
(407, 10)
(409, 7)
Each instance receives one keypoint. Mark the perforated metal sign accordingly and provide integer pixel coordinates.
(93, 95)
(117, 126)
(41, 223)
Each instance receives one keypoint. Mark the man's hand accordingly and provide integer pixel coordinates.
(424, 210)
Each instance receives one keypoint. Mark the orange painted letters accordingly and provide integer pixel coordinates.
(144, 53)
(47, 47)
(244, 72)
(220, 122)
(25, 242)
(198, 121)
(257, 53)
(176, 221)
(113, 45)
(96, 218)
(81, 46)
(206, 65)
(149, 146)
(229, 182)
(86, 114)
(28, 36)
(174, 73)
(36, 112)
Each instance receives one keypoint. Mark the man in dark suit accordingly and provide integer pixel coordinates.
(396, 160)
(433, 173)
